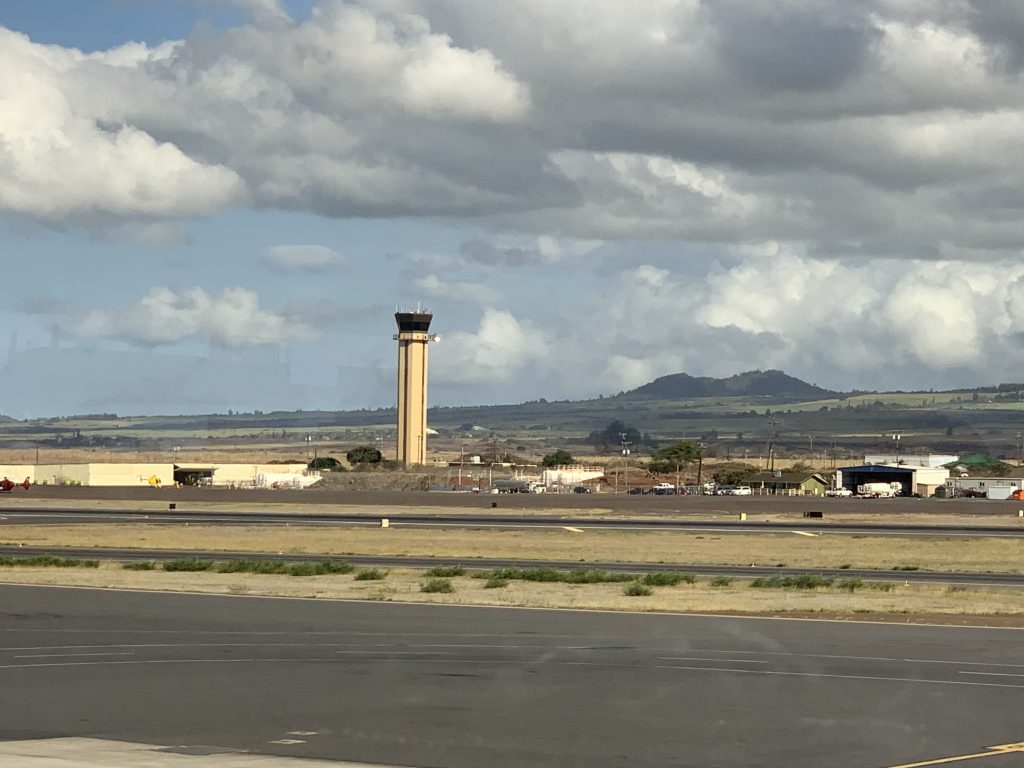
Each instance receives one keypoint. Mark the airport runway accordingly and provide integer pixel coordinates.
(973, 578)
(621, 502)
(464, 687)
(70, 516)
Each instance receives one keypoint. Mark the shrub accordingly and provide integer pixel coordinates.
(446, 571)
(49, 561)
(721, 581)
(844, 566)
(849, 585)
(364, 454)
(495, 583)
(667, 578)
(437, 585)
(636, 589)
(145, 565)
(882, 586)
(803, 581)
(370, 574)
(905, 567)
(586, 576)
(956, 588)
(188, 564)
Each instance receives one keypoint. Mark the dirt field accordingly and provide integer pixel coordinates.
(914, 603)
(882, 552)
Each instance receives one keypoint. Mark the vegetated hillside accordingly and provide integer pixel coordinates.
(775, 384)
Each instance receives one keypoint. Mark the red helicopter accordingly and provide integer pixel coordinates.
(7, 485)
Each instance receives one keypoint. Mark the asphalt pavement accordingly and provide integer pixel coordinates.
(622, 502)
(23, 515)
(465, 687)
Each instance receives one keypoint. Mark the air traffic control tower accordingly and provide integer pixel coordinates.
(413, 337)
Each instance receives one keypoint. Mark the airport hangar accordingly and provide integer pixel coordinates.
(914, 480)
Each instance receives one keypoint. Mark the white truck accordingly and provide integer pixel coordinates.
(879, 490)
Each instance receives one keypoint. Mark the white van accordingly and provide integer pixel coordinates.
(741, 490)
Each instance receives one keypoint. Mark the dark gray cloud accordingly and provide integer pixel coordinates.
(805, 46)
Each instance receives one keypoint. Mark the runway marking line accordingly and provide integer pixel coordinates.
(288, 742)
(999, 749)
(570, 529)
(804, 533)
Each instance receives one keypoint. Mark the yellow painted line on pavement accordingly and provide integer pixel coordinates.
(1000, 749)
(803, 533)
(572, 530)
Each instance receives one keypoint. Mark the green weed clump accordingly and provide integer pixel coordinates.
(553, 575)
(803, 581)
(722, 581)
(446, 571)
(906, 568)
(849, 585)
(668, 578)
(495, 583)
(636, 589)
(437, 585)
(145, 565)
(882, 586)
(188, 564)
(371, 574)
(49, 561)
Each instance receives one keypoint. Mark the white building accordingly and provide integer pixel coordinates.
(913, 459)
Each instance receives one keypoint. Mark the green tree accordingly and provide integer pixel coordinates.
(557, 459)
(364, 454)
(612, 436)
(674, 457)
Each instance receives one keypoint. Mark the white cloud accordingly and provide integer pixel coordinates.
(432, 286)
(302, 258)
(58, 160)
(164, 316)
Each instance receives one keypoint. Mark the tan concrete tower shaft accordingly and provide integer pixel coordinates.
(413, 337)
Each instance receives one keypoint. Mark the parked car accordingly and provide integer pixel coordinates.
(724, 490)
(839, 492)
(635, 490)
(741, 490)
(581, 489)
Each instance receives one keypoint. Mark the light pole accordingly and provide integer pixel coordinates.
(896, 441)
(625, 461)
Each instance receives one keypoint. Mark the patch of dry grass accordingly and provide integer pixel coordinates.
(406, 585)
(464, 545)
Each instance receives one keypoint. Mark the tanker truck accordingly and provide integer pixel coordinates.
(879, 490)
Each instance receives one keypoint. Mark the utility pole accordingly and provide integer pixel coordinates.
(625, 453)
(1020, 448)
(700, 467)
(770, 464)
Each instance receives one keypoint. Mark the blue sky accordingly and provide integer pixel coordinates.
(587, 196)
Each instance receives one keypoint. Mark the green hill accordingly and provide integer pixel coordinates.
(776, 384)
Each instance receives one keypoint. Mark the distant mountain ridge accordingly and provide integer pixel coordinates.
(771, 383)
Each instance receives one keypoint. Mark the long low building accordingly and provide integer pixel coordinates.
(115, 474)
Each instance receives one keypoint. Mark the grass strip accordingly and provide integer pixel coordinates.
(188, 564)
(446, 571)
(553, 575)
(668, 578)
(49, 561)
(145, 565)
(803, 581)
